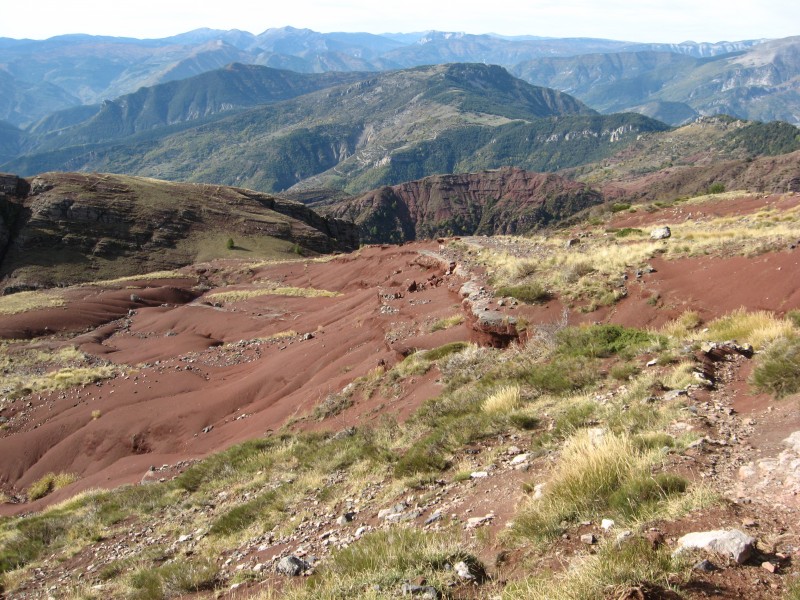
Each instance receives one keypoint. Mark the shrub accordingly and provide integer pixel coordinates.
(562, 375)
(619, 207)
(230, 245)
(778, 368)
(716, 188)
(530, 293)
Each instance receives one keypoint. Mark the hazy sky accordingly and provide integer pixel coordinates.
(634, 20)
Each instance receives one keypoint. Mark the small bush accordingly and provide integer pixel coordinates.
(778, 369)
(562, 375)
(794, 317)
(619, 207)
(716, 188)
(230, 245)
(530, 293)
(628, 231)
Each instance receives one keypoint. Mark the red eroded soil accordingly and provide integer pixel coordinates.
(203, 375)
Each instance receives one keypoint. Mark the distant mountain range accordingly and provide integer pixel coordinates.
(41, 77)
(374, 129)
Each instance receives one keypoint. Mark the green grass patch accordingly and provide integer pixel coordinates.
(379, 563)
(598, 341)
(530, 293)
(618, 568)
(777, 370)
(586, 486)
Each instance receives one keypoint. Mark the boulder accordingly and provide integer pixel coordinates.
(291, 566)
(660, 233)
(732, 543)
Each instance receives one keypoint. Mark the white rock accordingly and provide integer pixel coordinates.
(520, 458)
(607, 524)
(660, 233)
(478, 474)
(793, 441)
(732, 543)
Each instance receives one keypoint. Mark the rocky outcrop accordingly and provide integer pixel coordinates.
(75, 227)
(502, 201)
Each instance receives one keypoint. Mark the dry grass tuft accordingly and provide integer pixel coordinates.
(274, 290)
(503, 400)
(50, 483)
(757, 328)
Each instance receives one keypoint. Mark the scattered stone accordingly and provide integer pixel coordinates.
(624, 535)
(291, 566)
(420, 591)
(308, 336)
(588, 538)
(474, 522)
(184, 538)
(705, 566)
(675, 394)
(660, 233)
(769, 567)
(435, 516)
(651, 363)
(520, 458)
(538, 490)
(607, 524)
(478, 475)
(732, 543)
(346, 518)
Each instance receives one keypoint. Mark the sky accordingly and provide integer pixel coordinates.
(631, 20)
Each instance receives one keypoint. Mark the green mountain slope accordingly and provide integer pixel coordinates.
(234, 87)
(389, 128)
